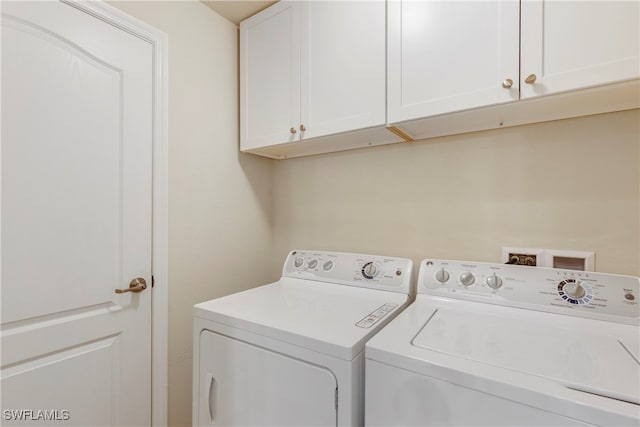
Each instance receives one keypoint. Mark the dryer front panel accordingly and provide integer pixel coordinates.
(242, 384)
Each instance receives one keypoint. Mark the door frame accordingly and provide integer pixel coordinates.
(160, 229)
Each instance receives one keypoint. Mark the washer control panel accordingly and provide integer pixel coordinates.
(370, 271)
(581, 293)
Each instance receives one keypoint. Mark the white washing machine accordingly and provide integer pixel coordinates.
(291, 353)
(502, 345)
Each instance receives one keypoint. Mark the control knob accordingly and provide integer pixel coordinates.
(327, 265)
(574, 289)
(494, 281)
(369, 270)
(442, 275)
(467, 278)
(312, 264)
(298, 261)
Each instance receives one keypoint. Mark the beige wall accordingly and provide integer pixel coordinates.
(571, 184)
(219, 199)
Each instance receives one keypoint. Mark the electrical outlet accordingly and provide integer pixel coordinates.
(523, 256)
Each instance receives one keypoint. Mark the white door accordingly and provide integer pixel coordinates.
(448, 56)
(270, 76)
(76, 218)
(342, 66)
(575, 44)
(244, 385)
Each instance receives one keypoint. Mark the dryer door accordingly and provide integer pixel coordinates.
(242, 384)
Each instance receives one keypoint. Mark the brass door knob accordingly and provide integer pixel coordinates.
(292, 130)
(531, 79)
(137, 285)
(302, 128)
(507, 83)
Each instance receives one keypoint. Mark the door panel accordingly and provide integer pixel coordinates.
(76, 214)
(53, 209)
(242, 384)
(45, 383)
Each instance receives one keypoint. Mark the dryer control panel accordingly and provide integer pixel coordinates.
(580, 293)
(368, 271)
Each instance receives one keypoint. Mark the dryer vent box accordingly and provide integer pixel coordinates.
(570, 260)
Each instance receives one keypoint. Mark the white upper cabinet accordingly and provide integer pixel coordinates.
(270, 76)
(319, 76)
(343, 66)
(450, 55)
(570, 45)
(310, 69)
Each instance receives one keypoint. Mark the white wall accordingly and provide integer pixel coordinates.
(219, 199)
(570, 184)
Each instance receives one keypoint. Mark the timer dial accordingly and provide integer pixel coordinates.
(574, 291)
(369, 270)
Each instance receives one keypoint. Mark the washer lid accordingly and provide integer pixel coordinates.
(580, 360)
(324, 317)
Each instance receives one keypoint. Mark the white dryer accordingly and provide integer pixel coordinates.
(502, 345)
(291, 353)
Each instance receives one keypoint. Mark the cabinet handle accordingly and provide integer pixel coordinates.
(302, 128)
(212, 398)
(507, 83)
(292, 130)
(531, 79)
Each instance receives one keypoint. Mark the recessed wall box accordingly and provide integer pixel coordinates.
(572, 260)
(532, 257)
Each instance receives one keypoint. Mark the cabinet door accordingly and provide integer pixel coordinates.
(450, 55)
(343, 66)
(575, 44)
(270, 76)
